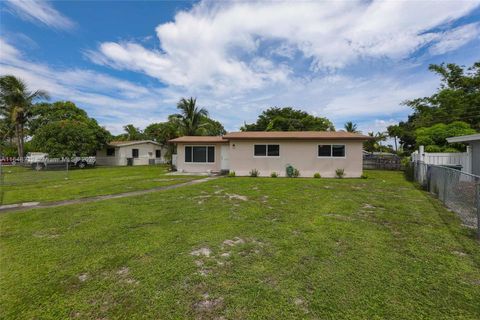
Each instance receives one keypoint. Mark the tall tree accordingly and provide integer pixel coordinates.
(16, 103)
(394, 131)
(133, 133)
(434, 138)
(211, 127)
(351, 127)
(288, 119)
(456, 99)
(190, 117)
(374, 144)
(62, 129)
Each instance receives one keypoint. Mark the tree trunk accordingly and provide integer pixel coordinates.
(19, 134)
(395, 139)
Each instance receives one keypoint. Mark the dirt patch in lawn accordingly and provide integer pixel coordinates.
(202, 252)
(205, 308)
(232, 196)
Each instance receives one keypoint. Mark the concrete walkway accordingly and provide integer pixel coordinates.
(35, 205)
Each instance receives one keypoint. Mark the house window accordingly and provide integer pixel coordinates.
(264, 150)
(200, 154)
(158, 153)
(331, 150)
(134, 153)
(110, 152)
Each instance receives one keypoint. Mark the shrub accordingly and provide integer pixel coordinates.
(254, 173)
(273, 174)
(296, 173)
(450, 150)
(340, 173)
(231, 174)
(364, 176)
(433, 148)
(317, 175)
(290, 169)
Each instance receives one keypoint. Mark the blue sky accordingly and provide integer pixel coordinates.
(131, 61)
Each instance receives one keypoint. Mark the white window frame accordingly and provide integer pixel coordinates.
(266, 150)
(331, 150)
(200, 145)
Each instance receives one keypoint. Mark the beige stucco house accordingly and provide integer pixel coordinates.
(122, 153)
(307, 151)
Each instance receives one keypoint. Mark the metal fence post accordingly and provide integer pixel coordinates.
(445, 173)
(478, 210)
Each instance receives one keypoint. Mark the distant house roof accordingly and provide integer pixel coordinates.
(470, 137)
(131, 143)
(295, 135)
(199, 139)
(273, 135)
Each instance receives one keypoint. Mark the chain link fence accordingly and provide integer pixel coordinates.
(459, 191)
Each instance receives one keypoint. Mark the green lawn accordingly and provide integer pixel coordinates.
(244, 248)
(24, 184)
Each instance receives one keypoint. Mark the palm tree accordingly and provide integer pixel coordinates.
(132, 133)
(394, 131)
(191, 116)
(16, 103)
(351, 127)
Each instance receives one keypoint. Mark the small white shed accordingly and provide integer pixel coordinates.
(122, 153)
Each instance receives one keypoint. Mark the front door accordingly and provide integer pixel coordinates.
(224, 153)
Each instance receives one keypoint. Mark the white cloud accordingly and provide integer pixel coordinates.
(454, 39)
(231, 46)
(41, 11)
(112, 101)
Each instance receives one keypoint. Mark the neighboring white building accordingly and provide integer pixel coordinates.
(473, 141)
(122, 153)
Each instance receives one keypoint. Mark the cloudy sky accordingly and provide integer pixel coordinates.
(130, 62)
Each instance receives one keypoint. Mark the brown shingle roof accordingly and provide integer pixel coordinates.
(295, 135)
(199, 139)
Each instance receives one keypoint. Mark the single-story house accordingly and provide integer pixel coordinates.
(473, 140)
(272, 151)
(122, 153)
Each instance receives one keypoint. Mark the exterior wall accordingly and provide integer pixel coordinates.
(183, 166)
(475, 145)
(146, 151)
(104, 160)
(302, 155)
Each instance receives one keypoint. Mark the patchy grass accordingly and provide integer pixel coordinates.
(244, 248)
(24, 184)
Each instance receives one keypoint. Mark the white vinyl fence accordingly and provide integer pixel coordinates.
(463, 159)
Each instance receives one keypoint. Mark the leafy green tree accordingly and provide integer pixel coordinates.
(210, 127)
(288, 119)
(132, 133)
(16, 103)
(190, 117)
(374, 144)
(162, 132)
(67, 138)
(394, 132)
(434, 138)
(351, 127)
(62, 129)
(457, 99)
(45, 113)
